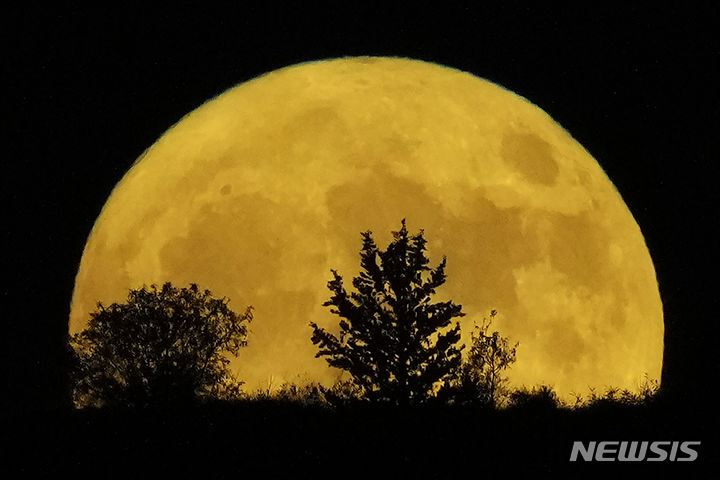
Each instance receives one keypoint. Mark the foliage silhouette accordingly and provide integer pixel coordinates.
(393, 341)
(480, 378)
(645, 394)
(540, 398)
(342, 393)
(163, 346)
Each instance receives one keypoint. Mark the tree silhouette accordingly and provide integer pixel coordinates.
(393, 341)
(164, 345)
(480, 378)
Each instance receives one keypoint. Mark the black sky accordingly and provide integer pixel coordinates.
(89, 90)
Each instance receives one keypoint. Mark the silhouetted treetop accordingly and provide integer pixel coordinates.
(393, 340)
(164, 345)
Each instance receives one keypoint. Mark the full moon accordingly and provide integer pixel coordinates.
(262, 190)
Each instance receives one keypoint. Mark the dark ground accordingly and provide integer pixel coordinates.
(279, 438)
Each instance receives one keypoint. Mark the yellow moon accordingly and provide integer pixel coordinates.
(259, 192)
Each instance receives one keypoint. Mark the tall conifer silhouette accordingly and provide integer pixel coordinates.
(395, 343)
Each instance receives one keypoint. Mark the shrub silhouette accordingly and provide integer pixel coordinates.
(343, 393)
(308, 394)
(480, 378)
(645, 394)
(540, 398)
(163, 346)
(393, 341)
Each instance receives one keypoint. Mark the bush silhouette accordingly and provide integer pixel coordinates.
(480, 378)
(163, 346)
(393, 341)
(645, 394)
(540, 398)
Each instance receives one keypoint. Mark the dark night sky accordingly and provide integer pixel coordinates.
(94, 88)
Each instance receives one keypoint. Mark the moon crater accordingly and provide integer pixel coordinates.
(531, 156)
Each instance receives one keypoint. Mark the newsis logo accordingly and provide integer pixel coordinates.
(634, 451)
